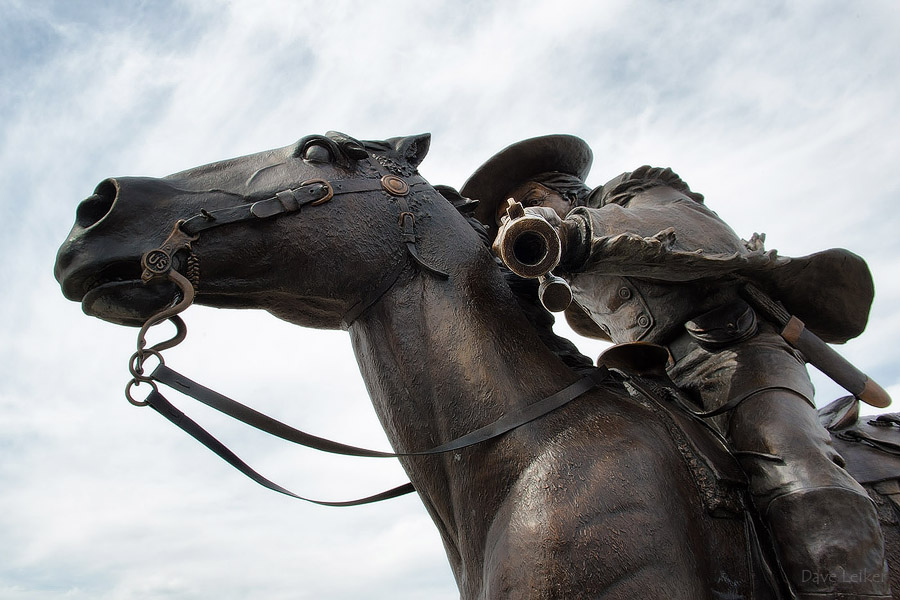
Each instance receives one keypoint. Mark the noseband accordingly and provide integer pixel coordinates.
(158, 264)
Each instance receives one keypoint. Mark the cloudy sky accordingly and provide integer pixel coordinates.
(786, 115)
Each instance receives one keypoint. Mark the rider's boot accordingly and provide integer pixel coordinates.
(829, 544)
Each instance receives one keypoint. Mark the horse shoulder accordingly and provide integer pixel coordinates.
(597, 509)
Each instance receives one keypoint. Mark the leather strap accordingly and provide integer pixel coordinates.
(159, 403)
(737, 400)
(407, 221)
(285, 201)
(254, 418)
(861, 436)
(409, 237)
(258, 420)
(363, 305)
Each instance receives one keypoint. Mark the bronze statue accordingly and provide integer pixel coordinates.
(618, 493)
(647, 261)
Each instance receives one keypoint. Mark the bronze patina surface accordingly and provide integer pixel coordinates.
(619, 494)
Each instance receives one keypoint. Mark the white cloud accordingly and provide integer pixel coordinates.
(785, 117)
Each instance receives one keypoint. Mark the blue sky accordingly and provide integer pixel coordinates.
(785, 115)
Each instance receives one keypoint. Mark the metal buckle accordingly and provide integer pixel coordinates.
(328, 187)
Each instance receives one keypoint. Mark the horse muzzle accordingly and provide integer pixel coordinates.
(102, 271)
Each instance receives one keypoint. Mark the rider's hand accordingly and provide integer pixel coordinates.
(548, 214)
(571, 236)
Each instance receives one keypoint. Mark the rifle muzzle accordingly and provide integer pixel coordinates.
(528, 245)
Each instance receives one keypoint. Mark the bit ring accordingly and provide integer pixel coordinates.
(133, 383)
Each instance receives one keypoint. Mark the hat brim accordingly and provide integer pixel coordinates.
(516, 164)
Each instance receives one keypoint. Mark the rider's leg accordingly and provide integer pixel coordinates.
(823, 523)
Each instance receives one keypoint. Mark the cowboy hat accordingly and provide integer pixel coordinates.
(516, 164)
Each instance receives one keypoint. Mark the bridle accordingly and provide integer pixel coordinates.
(158, 264)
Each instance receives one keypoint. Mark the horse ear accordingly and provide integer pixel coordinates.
(413, 148)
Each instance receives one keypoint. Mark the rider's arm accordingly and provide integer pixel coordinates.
(657, 237)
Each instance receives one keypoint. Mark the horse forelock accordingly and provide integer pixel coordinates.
(399, 155)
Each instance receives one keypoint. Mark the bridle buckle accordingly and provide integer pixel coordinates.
(329, 190)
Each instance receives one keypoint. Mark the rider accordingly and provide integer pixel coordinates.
(648, 261)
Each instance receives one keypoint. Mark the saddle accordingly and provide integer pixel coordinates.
(870, 446)
(716, 472)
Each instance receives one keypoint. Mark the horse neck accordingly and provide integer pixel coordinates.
(441, 358)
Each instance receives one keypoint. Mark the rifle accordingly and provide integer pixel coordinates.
(530, 247)
(817, 352)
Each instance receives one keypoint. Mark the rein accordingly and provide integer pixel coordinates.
(159, 264)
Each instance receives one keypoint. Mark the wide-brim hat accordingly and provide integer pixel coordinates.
(514, 165)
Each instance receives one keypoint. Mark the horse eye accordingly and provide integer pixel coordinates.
(316, 153)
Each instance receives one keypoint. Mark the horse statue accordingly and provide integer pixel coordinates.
(614, 494)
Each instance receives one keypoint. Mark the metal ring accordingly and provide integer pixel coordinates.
(136, 363)
(133, 383)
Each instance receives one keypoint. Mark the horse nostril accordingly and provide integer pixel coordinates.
(97, 206)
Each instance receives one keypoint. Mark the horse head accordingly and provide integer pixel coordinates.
(137, 241)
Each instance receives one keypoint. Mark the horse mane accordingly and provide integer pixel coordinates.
(404, 162)
(626, 186)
